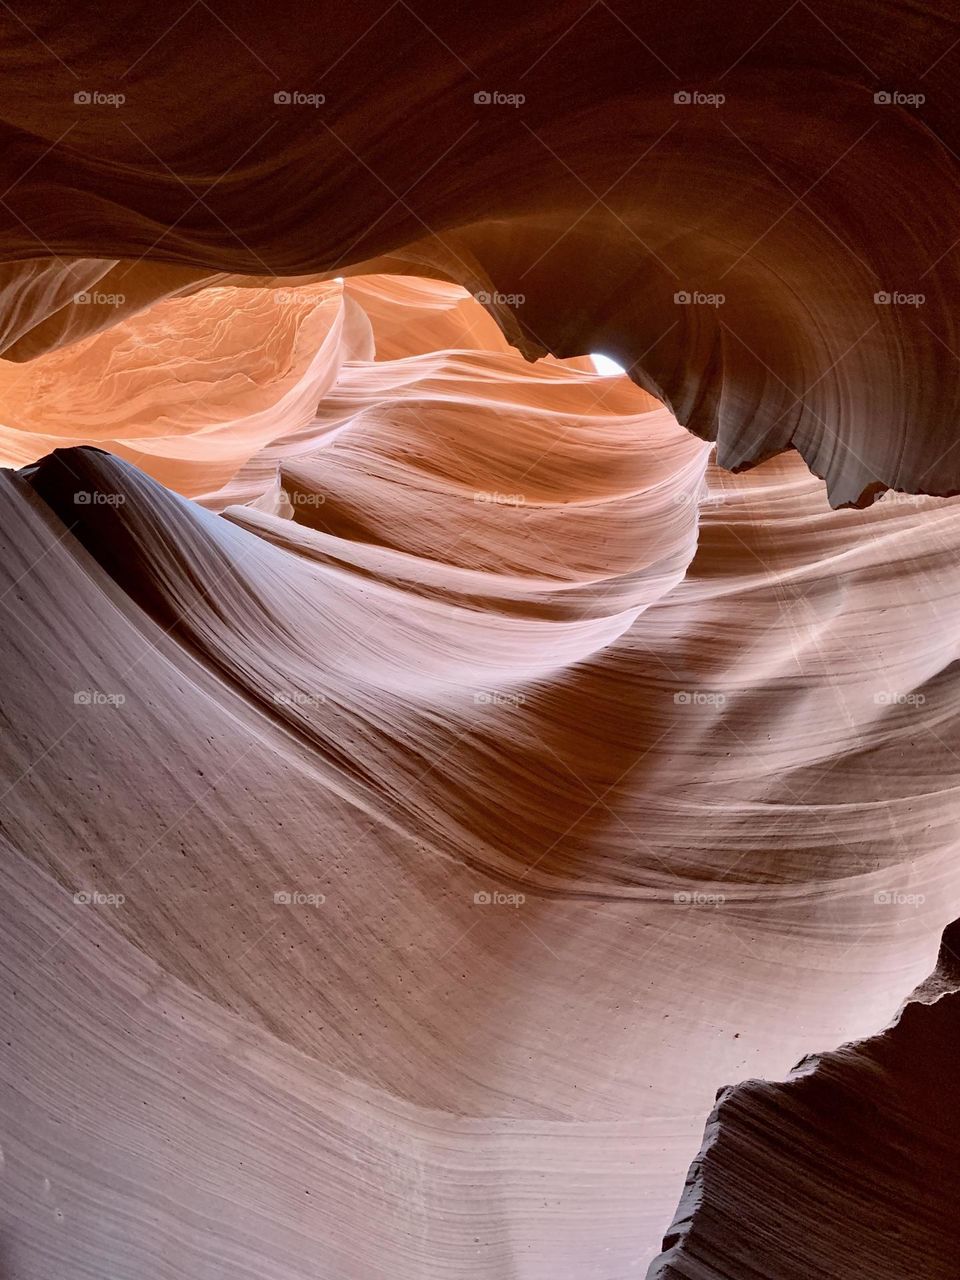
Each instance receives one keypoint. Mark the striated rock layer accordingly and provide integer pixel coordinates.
(849, 1168)
(426, 769)
(749, 206)
(401, 843)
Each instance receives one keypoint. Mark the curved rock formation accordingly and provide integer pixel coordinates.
(848, 1168)
(191, 388)
(401, 803)
(427, 769)
(750, 209)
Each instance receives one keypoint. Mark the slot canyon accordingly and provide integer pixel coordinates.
(480, 755)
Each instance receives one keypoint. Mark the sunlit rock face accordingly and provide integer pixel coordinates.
(422, 838)
(429, 771)
(191, 388)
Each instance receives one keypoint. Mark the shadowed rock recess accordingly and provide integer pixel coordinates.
(432, 760)
(849, 1168)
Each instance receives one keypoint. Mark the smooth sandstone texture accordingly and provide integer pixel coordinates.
(208, 389)
(849, 1168)
(191, 388)
(427, 771)
(797, 161)
(450, 814)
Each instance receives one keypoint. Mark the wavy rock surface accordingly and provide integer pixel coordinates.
(208, 389)
(598, 163)
(426, 769)
(191, 388)
(405, 798)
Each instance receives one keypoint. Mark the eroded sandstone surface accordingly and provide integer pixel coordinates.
(432, 767)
